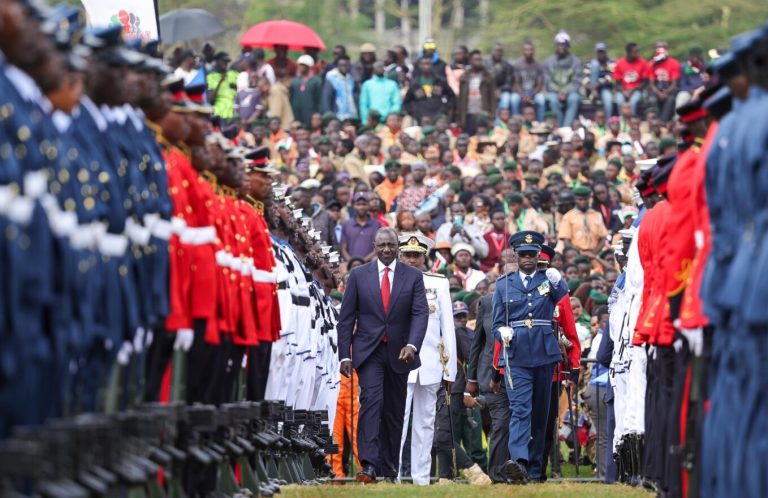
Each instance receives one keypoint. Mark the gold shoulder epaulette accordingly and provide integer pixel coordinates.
(432, 274)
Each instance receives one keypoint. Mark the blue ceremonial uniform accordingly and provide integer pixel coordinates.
(531, 354)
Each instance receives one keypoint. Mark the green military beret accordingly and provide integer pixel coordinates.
(573, 285)
(456, 290)
(455, 170)
(531, 178)
(494, 179)
(364, 129)
(515, 198)
(493, 171)
(375, 114)
(582, 191)
(460, 295)
(667, 142)
(470, 297)
(455, 185)
(599, 298)
(428, 130)
(616, 161)
(337, 294)
(391, 163)
(323, 140)
(510, 166)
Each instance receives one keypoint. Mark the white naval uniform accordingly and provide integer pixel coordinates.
(632, 402)
(424, 382)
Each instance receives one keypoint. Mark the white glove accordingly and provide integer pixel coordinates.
(506, 334)
(695, 338)
(184, 340)
(138, 340)
(124, 354)
(554, 276)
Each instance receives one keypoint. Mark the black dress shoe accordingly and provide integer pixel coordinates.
(390, 479)
(367, 475)
(515, 472)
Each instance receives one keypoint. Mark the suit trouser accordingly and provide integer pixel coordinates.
(498, 441)
(529, 407)
(346, 418)
(382, 404)
(471, 423)
(423, 398)
(444, 415)
(598, 412)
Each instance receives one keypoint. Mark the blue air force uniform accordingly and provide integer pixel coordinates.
(527, 305)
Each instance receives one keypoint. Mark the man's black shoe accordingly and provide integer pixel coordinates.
(367, 475)
(390, 479)
(515, 472)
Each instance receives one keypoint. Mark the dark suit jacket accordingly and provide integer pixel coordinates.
(362, 312)
(480, 361)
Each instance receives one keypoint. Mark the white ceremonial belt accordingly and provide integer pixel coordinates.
(198, 236)
(136, 233)
(7, 195)
(20, 210)
(162, 229)
(236, 263)
(247, 268)
(113, 245)
(264, 277)
(222, 258)
(63, 223)
(178, 225)
(35, 184)
(82, 237)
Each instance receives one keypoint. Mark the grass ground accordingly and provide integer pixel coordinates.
(559, 489)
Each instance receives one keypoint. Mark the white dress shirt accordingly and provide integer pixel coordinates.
(391, 267)
(522, 278)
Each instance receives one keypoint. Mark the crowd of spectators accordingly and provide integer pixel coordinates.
(466, 151)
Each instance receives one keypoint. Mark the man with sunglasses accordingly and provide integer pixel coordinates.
(523, 307)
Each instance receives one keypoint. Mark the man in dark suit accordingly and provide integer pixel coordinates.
(385, 305)
(479, 375)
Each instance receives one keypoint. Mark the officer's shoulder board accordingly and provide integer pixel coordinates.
(432, 274)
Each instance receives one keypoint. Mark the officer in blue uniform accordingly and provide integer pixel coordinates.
(523, 306)
(733, 288)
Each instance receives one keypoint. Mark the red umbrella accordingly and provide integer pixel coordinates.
(270, 33)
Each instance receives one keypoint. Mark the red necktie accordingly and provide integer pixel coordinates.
(385, 289)
(385, 296)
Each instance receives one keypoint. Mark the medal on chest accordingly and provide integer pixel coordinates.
(544, 288)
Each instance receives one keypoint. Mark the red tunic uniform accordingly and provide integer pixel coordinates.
(649, 246)
(264, 280)
(677, 233)
(691, 310)
(180, 315)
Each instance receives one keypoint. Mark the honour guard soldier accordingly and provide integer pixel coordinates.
(258, 185)
(523, 307)
(438, 356)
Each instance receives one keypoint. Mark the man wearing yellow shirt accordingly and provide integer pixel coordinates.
(582, 226)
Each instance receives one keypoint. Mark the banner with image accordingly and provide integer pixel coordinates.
(139, 18)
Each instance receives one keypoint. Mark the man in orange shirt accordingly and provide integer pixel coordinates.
(392, 185)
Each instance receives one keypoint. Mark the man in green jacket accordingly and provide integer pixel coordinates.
(379, 93)
(306, 91)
